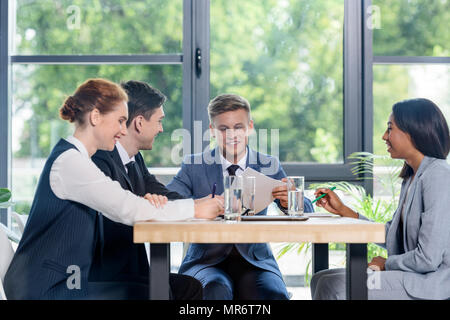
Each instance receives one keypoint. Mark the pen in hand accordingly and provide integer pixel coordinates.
(213, 192)
(323, 195)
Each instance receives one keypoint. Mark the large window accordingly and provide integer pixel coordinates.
(411, 60)
(412, 28)
(316, 73)
(411, 55)
(67, 27)
(286, 58)
(39, 91)
(49, 41)
(396, 82)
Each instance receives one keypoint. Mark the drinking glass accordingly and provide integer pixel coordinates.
(233, 186)
(249, 196)
(296, 187)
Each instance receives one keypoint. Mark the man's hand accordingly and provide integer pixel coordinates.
(377, 263)
(208, 197)
(281, 193)
(208, 207)
(156, 200)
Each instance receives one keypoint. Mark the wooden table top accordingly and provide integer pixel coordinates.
(315, 230)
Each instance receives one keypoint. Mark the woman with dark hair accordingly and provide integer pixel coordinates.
(418, 236)
(55, 254)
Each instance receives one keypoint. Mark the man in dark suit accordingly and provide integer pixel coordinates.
(117, 258)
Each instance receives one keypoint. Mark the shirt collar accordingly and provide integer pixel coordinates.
(225, 163)
(123, 154)
(77, 143)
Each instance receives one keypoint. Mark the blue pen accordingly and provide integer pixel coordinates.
(214, 190)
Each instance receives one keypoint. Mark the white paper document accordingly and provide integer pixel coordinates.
(263, 188)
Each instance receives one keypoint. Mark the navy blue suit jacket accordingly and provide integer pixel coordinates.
(117, 258)
(195, 180)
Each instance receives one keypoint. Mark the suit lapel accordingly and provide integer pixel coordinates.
(214, 172)
(409, 195)
(409, 199)
(121, 168)
(391, 239)
(138, 180)
(252, 160)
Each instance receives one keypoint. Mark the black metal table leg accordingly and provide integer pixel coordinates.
(319, 257)
(356, 275)
(159, 271)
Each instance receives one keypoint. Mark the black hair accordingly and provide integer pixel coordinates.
(426, 125)
(143, 99)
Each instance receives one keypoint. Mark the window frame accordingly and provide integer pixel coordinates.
(357, 104)
(356, 111)
(193, 36)
(5, 105)
(372, 60)
(358, 108)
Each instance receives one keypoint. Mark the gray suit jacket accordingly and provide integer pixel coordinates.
(422, 248)
(197, 175)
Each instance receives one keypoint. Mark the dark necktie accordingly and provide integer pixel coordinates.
(232, 169)
(136, 179)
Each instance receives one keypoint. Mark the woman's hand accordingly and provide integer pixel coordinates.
(377, 264)
(156, 200)
(332, 203)
(281, 193)
(208, 207)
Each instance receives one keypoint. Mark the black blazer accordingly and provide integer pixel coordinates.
(117, 258)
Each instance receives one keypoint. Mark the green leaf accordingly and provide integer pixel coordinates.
(285, 249)
(307, 274)
(5, 195)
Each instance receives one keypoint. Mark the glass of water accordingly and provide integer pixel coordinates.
(249, 195)
(233, 189)
(295, 187)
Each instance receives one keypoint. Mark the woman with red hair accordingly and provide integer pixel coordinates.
(55, 254)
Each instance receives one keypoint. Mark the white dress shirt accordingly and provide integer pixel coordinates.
(124, 155)
(75, 177)
(241, 163)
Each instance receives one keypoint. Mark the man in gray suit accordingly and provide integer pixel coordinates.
(231, 271)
